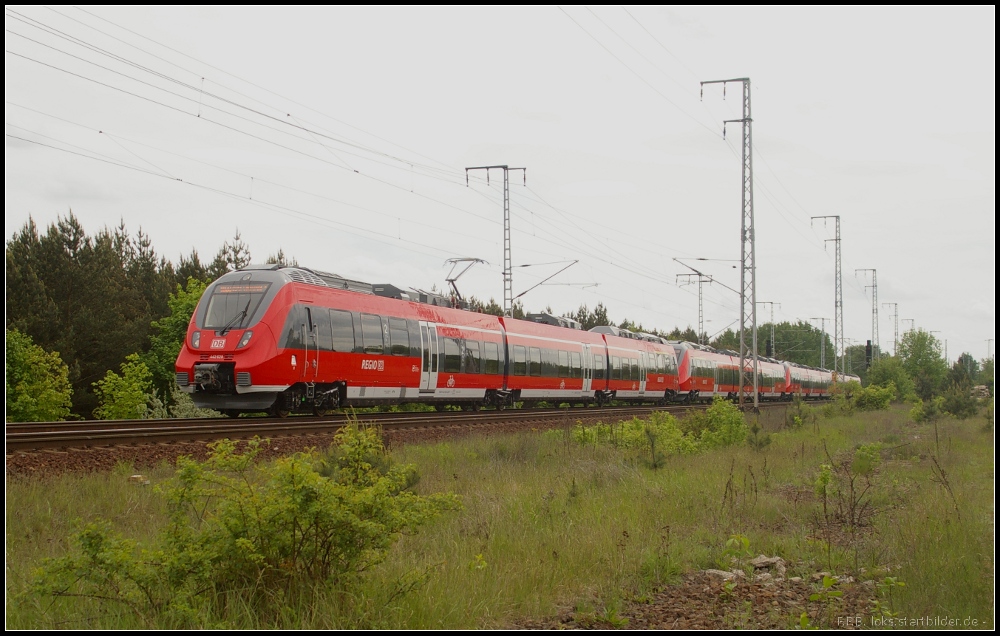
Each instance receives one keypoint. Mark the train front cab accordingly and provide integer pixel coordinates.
(228, 340)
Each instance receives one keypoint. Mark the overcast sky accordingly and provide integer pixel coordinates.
(340, 136)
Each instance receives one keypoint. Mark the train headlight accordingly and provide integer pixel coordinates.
(196, 340)
(245, 340)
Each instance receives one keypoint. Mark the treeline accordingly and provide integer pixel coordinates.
(93, 301)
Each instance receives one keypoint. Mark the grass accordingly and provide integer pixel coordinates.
(550, 526)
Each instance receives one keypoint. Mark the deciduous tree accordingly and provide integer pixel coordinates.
(36, 382)
(920, 354)
(124, 397)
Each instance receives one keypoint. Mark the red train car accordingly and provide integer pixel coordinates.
(642, 368)
(704, 372)
(288, 339)
(555, 364)
(284, 339)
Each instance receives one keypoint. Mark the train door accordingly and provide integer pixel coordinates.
(428, 357)
(588, 373)
(310, 367)
(643, 372)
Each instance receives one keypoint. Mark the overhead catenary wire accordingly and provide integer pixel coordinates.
(200, 90)
(312, 134)
(636, 265)
(258, 86)
(256, 202)
(243, 132)
(219, 123)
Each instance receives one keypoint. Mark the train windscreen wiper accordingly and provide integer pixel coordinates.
(240, 316)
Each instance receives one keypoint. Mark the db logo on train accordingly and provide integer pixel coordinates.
(218, 343)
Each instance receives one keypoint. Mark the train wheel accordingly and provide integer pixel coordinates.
(231, 413)
(322, 411)
(279, 409)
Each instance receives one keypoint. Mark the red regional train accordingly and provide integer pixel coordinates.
(289, 339)
(706, 373)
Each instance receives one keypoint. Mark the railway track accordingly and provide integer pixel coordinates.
(36, 436)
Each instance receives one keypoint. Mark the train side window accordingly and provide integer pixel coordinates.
(292, 336)
(452, 355)
(600, 362)
(491, 356)
(520, 361)
(399, 337)
(323, 328)
(563, 364)
(435, 348)
(371, 333)
(343, 331)
(413, 329)
(470, 357)
(575, 365)
(616, 368)
(534, 361)
(550, 363)
(358, 340)
(425, 335)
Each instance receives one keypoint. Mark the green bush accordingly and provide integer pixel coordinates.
(635, 433)
(874, 398)
(800, 413)
(124, 397)
(261, 535)
(890, 371)
(959, 402)
(927, 411)
(721, 424)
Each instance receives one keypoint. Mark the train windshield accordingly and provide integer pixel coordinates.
(232, 305)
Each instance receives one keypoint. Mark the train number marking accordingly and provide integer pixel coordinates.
(373, 365)
(218, 343)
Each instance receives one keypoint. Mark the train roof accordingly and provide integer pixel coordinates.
(557, 321)
(615, 331)
(320, 278)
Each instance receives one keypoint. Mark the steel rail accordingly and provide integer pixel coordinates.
(54, 435)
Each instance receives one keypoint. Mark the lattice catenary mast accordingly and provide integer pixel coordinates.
(748, 272)
(822, 342)
(839, 352)
(774, 345)
(895, 328)
(508, 286)
(874, 287)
